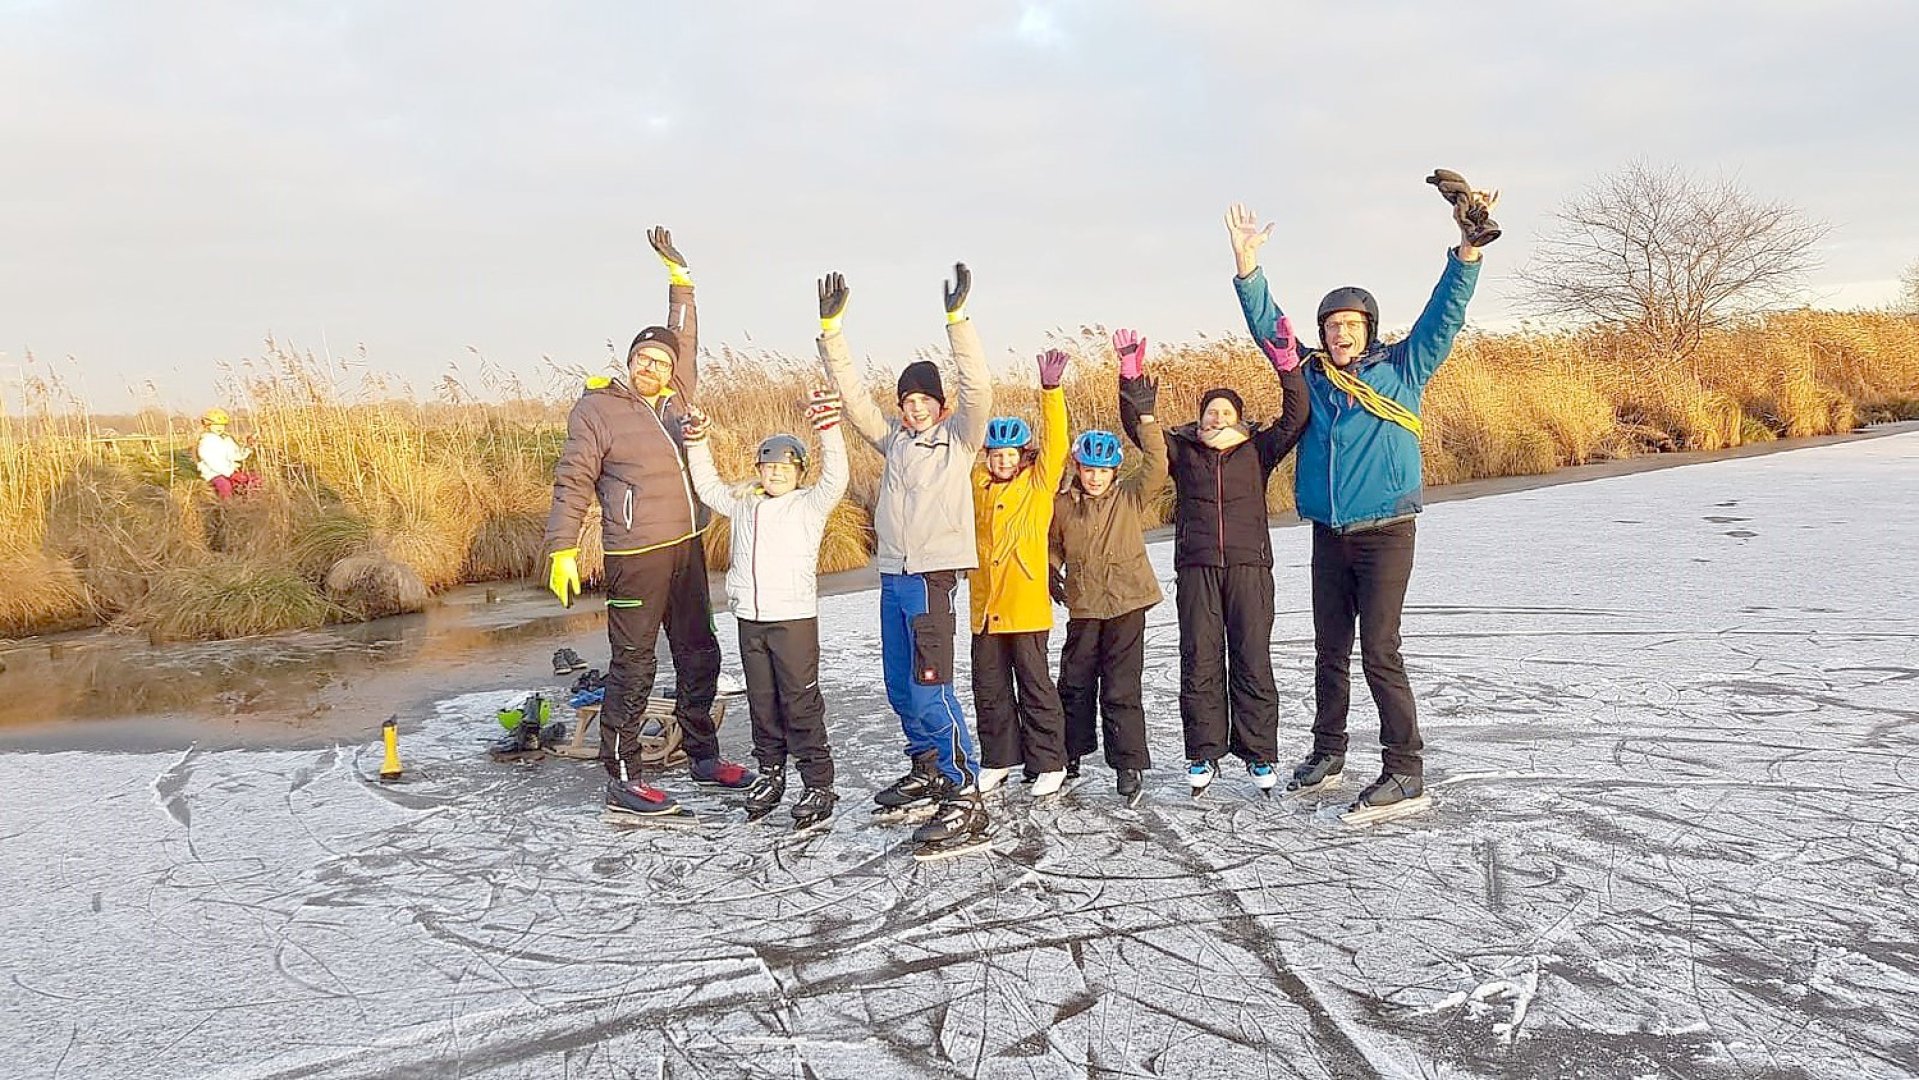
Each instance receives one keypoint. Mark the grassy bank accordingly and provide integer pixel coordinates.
(373, 502)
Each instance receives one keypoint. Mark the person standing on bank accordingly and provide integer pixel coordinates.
(624, 447)
(1102, 574)
(1223, 567)
(1358, 482)
(923, 523)
(1020, 720)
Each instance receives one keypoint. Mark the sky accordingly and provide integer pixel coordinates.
(433, 182)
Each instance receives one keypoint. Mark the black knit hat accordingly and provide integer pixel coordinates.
(658, 336)
(1239, 407)
(922, 377)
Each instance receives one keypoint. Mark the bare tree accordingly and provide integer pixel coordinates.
(1666, 256)
(1909, 288)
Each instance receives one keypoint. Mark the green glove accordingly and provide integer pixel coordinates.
(564, 576)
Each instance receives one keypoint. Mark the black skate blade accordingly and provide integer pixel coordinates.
(1361, 816)
(934, 852)
(759, 815)
(679, 819)
(810, 828)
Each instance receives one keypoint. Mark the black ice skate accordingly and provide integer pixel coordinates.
(1319, 772)
(1131, 784)
(767, 792)
(1393, 795)
(915, 796)
(522, 740)
(814, 809)
(960, 828)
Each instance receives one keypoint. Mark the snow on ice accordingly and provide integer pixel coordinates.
(1672, 742)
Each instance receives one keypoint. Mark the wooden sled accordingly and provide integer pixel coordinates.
(659, 733)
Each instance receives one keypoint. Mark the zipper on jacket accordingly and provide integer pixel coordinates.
(756, 558)
(1219, 501)
(692, 510)
(1332, 446)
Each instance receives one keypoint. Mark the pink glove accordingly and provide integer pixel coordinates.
(1283, 349)
(1132, 353)
(823, 410)
(693, 425)
(1052, 367)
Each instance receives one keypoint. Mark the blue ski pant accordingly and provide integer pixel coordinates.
(916, 649)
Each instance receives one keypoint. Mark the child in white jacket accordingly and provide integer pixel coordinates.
(772, 588)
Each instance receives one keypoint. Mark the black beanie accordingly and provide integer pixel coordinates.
(922, 377)
(1239, 407)
(658, 336)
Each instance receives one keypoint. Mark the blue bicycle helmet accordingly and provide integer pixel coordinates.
(1098, 450)
(1007, 432)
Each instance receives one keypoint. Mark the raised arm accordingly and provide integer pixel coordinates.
(681, 316)
(1271, 330)
(1278, 439)
(712, 490)
(1054, 443)
(857, 403)
(975, 406)
(1431, 340)
(824, 413)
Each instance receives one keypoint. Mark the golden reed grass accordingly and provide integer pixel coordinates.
(375, 499)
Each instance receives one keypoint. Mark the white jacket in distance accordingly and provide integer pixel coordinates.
(777, 579)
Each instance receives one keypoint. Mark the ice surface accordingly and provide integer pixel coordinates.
(1670, 721)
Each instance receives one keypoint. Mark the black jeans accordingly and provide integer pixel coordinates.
(1020, 720)
(662, 588)
(1362, 576)
(1099, 675)
(782, 662)
(1226, 662)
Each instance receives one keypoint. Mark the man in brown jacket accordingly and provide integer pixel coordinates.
(624, 447)
(1099, 557)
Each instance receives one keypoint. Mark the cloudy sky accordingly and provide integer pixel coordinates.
(426, 179)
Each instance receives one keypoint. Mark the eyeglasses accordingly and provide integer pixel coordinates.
(652, 360)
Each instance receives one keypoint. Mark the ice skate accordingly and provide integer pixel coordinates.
(566, 662)
(1199, 774)
(814, 809)
(960, 828)
(913, 797)
(1131, 784)
(1392, 796)
(767, 793)
(522, 741)
(1265, 777)
(1048, 785)
(1319, 772)
(718, 772)
(991, 779)
(637, 803)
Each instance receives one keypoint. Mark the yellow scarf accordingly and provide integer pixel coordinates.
(1370, 399)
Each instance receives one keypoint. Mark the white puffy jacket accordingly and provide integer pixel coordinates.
(777, 580)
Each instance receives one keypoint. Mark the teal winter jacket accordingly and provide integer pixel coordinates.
(1353, 466)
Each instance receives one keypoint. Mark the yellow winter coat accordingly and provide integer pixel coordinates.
(1011, 521)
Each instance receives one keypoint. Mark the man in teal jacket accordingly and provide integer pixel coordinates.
(1358, 482)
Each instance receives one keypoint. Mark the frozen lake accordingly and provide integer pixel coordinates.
(1672, 739)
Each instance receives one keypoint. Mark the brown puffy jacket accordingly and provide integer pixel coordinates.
(627, 452)
(1101, 541)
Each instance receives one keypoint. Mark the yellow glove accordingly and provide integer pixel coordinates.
(564, 577)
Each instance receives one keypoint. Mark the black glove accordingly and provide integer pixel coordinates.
(833, 297)
(957, 289)
(1056, 585)
(662, 242)
(1481, 228)
(1140, 395)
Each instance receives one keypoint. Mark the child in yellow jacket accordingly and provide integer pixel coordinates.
(1020, 718)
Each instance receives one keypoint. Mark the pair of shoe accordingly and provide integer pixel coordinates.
(1200, 774)
(1044, 783)
(566, 662)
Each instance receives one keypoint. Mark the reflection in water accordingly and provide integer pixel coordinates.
(98, 675)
